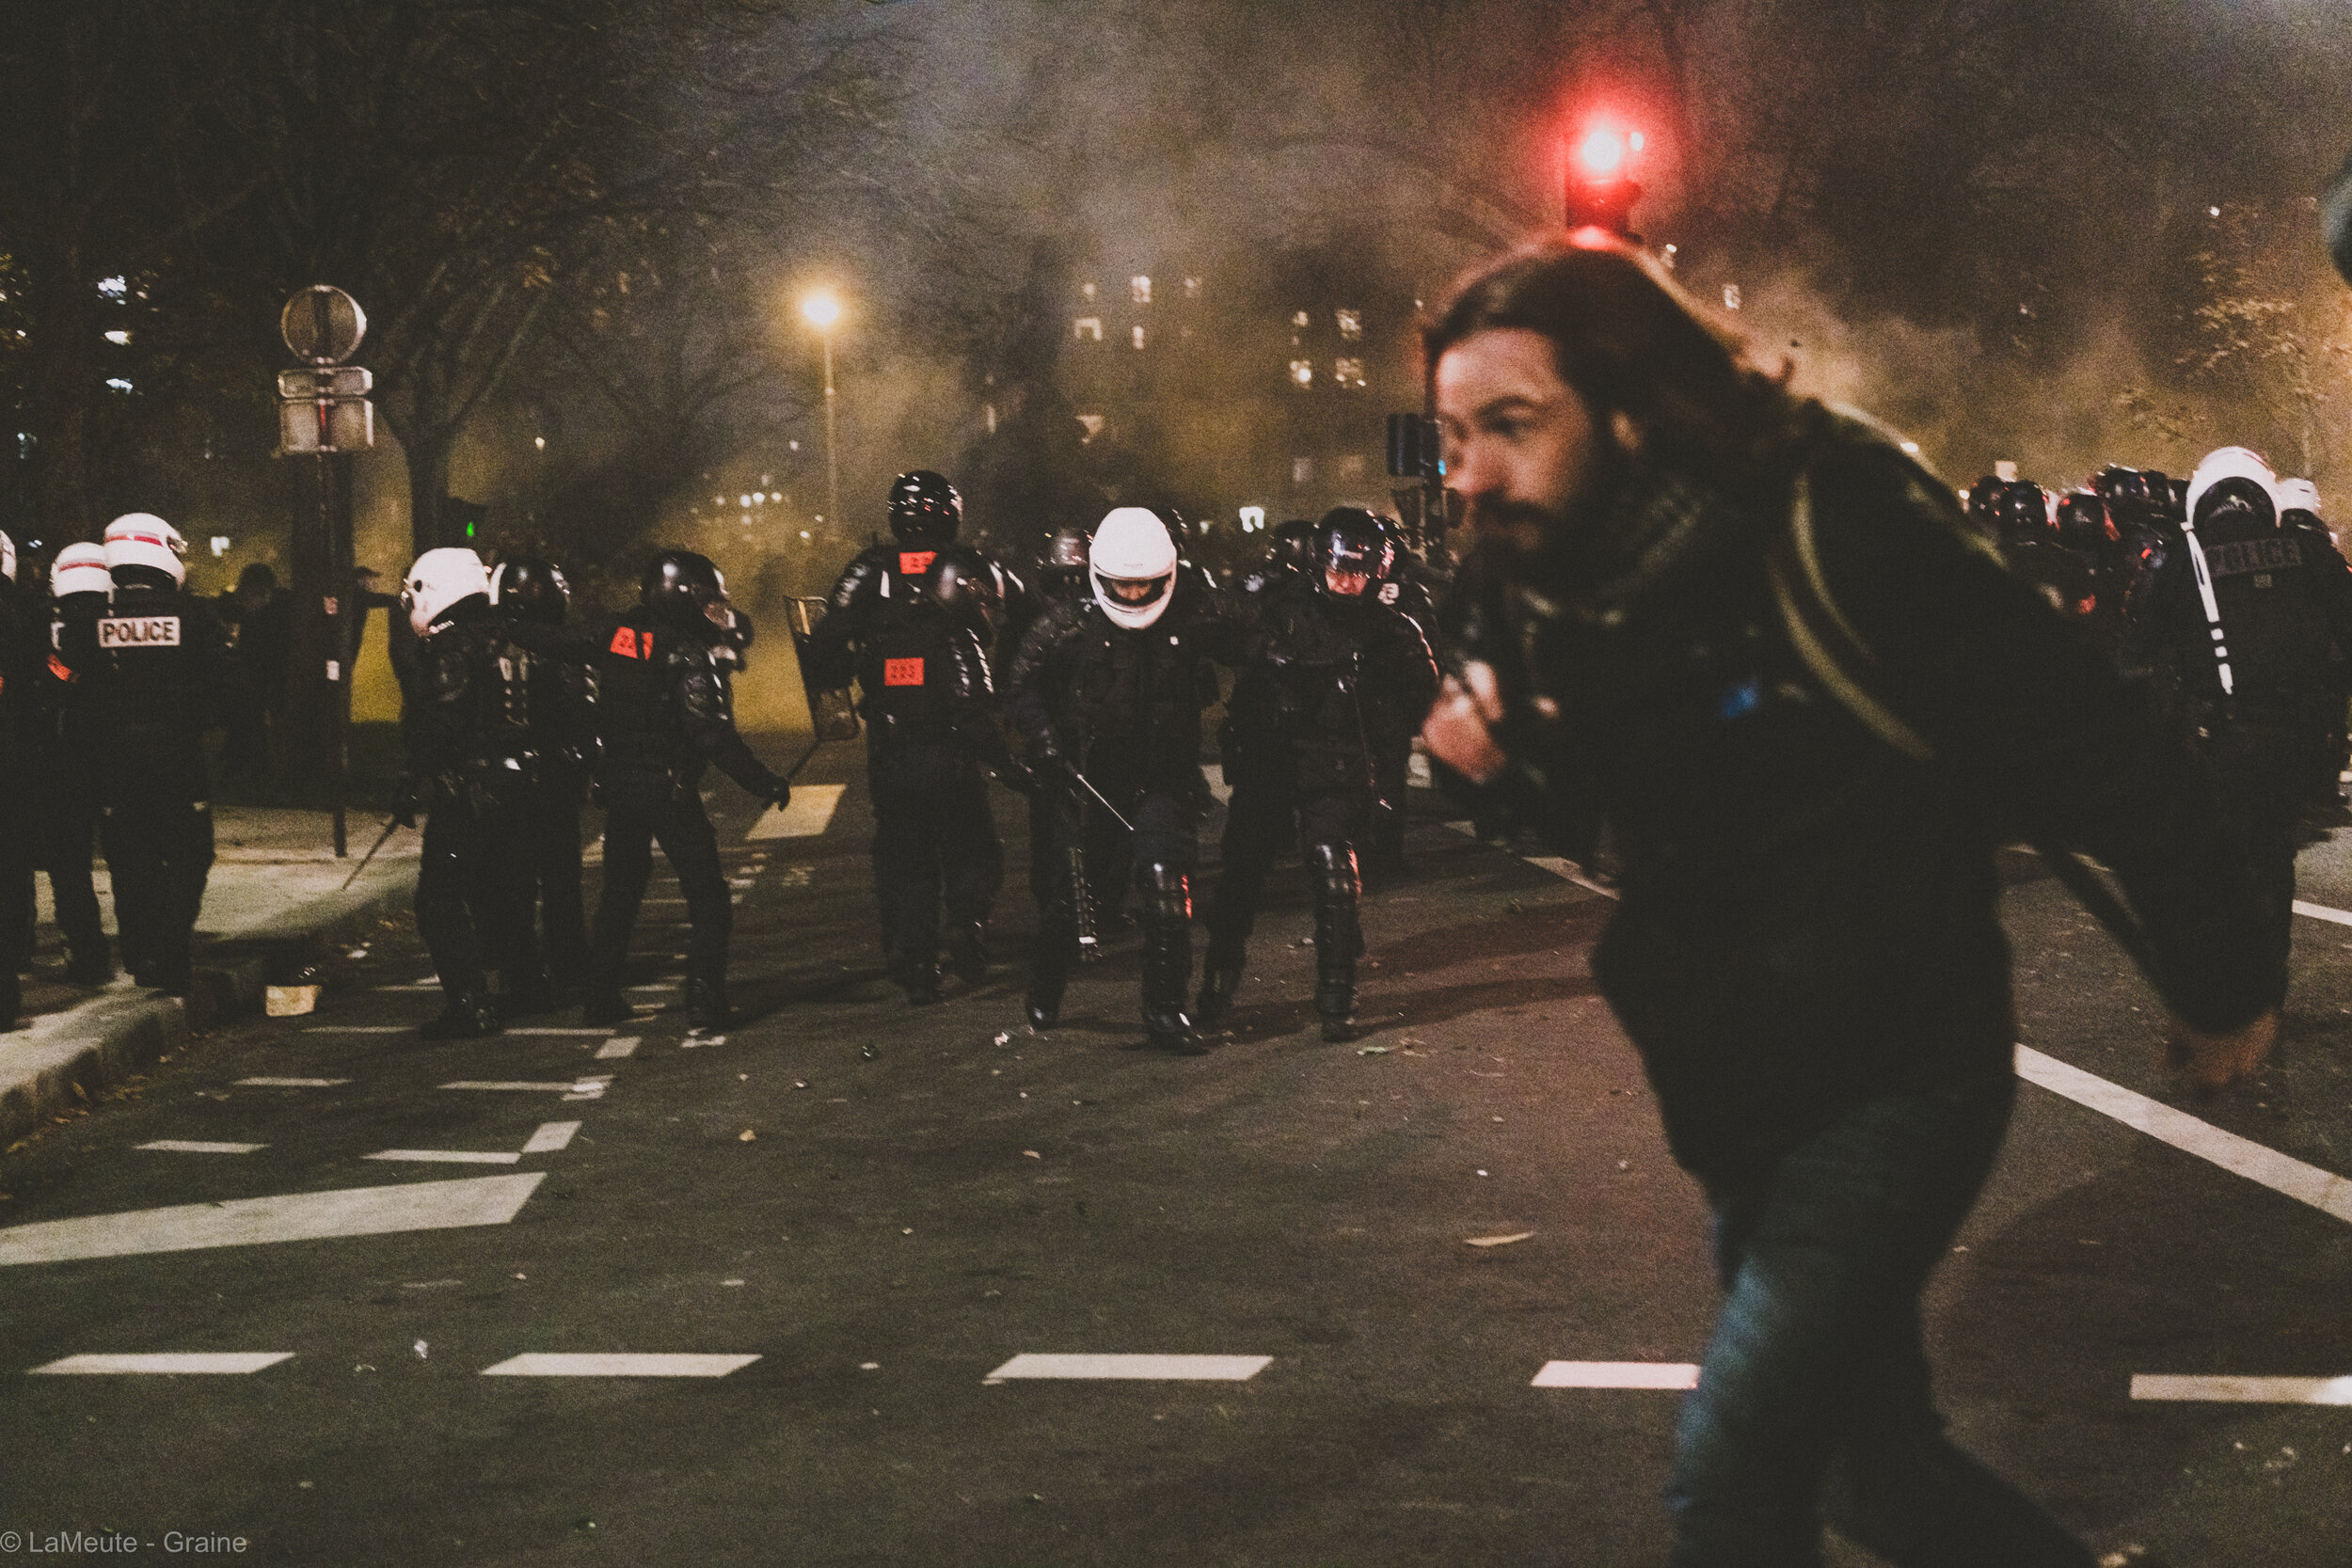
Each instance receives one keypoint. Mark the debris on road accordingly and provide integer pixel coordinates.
(746, 1135)
(1372, 1051)
(1496, 1240)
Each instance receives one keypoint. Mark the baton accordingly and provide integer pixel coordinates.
(1106, 804)
(390, 829)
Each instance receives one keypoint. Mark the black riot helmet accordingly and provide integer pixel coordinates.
(1063, 566)
(1291, 546)
(685, 589)
(2023, 512)
(1350, 551)
(1984, 504)
(530, 587)
(924, 509)
(2129, 498)
(2083, 523)
(970, 584)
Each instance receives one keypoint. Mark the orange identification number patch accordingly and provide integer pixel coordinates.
(902, 671)
(60, 669)
(628, 644)
(913, 563)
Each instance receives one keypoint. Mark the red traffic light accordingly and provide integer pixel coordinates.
(1601, 186)
(1605, 152)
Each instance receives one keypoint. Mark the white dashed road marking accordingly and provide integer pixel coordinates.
(2243, 1391)
(552, 1136)
(447, 1156)
(230, 1362)
(1208, 1369)
(525, 1086)
(181, 1146)
(290, 1082)
(809, 815)
(288, 1217)
(614, 1050)
(2323, 1190)
(360, 1029)
(2321, 912)
(591, 1034)
(1617, 1374)
(619, 1365)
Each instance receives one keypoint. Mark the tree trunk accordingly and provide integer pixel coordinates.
(428, 483)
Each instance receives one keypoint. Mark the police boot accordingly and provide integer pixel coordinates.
(967, 951)
(467, 1015)
(11, 999)
(1167, 959)
(706, 1006)
(88, 963)
(1338, 938)
(1220, 978)
(1049, 973)
(918, 979)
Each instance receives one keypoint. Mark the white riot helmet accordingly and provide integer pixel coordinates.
(1132, 546)
(439, 579)
(2237, 475)
(2298, 495)
(79, 569)
(7, 558)
(143, 539)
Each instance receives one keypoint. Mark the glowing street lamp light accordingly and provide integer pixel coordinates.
(823, 308)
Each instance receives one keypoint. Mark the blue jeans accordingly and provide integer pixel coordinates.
(1814, 1395)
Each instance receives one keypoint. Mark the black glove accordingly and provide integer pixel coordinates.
(1052, 771)
(1019, 777)
(779, 792)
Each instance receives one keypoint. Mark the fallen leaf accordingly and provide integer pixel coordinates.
(745, 1136)
(1497, 1240)
(1031, 1154)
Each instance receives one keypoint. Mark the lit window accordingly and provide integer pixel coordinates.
(1139, 337)
(746, 501)
(1302, 319)
(1252, 518)
(540, 442)
(118, 336)
(1088, 329)
(792, 446)
(1192, 288)
(1086, 292)
(117, 384)
(768, 480)
(1351, 323)
(1348, 372)
(1093, 423)
(1139, 290)
(1732, 296)
(114, 288)
(221, 544)
(718, 500)
(1351, 467)
(1302, 373)
(1302, 470)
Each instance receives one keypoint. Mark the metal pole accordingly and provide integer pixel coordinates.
(832, 442)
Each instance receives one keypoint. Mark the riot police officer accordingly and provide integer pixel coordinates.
(157, 664)
(1285, 556)
(1107, 694)
(928, 701)
(472, 766)
(1303, 738)
(17, 781)
(529, 589)
(2253, 620)
(2299, 518)
(665, 713)
(66, 787)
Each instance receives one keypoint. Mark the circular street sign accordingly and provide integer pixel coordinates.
(323, 325)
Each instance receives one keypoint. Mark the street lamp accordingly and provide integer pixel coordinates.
(823, 308)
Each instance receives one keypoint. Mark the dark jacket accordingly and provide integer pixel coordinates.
(1809, 915)
(1121, 704)
(664, 709)
(1325, 686)
(466, 722)
(156, 665)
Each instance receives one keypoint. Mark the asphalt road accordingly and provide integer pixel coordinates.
(860, 1214)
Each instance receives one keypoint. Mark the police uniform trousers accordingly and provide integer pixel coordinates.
(64, 836)
(2261, 769)
(934, 842)
(159, 854)
(16, 898)
(1165, 815)
(550, 828)
(1268, 805)
(643, 807)
(471, 896)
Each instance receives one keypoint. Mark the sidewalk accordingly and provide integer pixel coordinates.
(275, 897)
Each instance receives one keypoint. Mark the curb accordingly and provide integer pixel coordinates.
(60, 1060)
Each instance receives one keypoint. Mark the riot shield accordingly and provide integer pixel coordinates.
(832, 713)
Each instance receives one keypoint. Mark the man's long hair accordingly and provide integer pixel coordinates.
(1628, 340)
